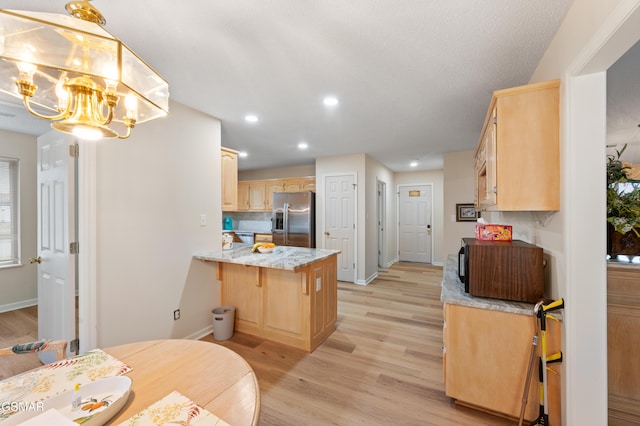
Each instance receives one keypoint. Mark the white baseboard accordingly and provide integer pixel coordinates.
(368, 280)
(18, 305)
(200, 333)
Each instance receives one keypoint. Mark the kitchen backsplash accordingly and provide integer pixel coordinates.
(255, 221)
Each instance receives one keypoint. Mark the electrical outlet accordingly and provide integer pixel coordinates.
(176, 314)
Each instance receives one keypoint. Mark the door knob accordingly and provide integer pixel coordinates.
(36, 260)
(327, 233)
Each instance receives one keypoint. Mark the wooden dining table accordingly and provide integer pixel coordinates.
(214, 377)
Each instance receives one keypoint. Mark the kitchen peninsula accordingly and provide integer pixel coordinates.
(288, 295)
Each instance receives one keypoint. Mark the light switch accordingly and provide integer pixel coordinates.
(203, 220)
(318, 284)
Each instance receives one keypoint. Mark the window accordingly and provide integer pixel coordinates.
(9, 208)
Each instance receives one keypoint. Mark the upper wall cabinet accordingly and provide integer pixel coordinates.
(518, 155)
(229, 168)
(256, 195)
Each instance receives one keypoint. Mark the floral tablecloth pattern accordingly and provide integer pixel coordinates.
(60, 376)
(174, 408)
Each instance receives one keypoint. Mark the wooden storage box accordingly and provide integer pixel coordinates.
(510, 270)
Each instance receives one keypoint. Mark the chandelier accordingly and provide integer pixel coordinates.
(69, 70)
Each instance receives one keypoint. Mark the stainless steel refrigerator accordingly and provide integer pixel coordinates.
(293, 222)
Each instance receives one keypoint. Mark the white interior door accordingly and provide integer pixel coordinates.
(56, 230)
(414, 232)
(339, 222)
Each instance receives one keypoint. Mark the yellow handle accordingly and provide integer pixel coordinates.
(556, 304)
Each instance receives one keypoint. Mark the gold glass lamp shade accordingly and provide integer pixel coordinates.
(71, 71)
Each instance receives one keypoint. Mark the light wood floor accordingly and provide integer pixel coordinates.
(382, 366)
(18, 326)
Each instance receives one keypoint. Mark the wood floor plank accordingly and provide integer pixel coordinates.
(382, 365)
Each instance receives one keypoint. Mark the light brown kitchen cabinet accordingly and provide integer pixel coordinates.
(252, 195)
(257, 195)
(229, 170)
(486, 356)
(300, 184)
(623, 329)
(272, 186)
(262, 238)
(297, 308)
(518, 154)
(243, 195)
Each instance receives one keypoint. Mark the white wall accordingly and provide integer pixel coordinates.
(594, 34)
(375, 172)
(436, 179)
(152, 189)
(18, 285)
(343, 165)
(459, 184)
(277, 173)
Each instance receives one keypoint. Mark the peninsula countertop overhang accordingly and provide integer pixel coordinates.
(282, 257)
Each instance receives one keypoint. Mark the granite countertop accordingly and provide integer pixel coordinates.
(282, 257)
(453, 293)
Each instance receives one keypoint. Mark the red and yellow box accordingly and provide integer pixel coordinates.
(493, 232)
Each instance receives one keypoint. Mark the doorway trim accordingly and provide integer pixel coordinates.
(381, 188)
(87, 259)
(583, 127)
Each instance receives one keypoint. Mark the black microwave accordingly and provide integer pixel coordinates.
(510, 270)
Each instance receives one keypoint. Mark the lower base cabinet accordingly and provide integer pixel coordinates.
(486, 357)
(623, 336)
(297, 308)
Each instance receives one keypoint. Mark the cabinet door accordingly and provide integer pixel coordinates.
(229, 168)
(308, 184)
(272, 186)
(243, 195)
(257, 191)
(490, 198)
(242, 289)
(286, 303)
(487, 356)
(292, 185)
(486, 189)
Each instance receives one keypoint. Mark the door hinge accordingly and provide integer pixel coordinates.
(74, 150)
(74, 248)
(495, 120)
(74, 345)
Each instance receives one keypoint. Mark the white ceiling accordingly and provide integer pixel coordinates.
(414, 77)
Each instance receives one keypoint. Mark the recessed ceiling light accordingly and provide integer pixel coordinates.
(414, 164)
(251, 118)
(330, 101)
(242, 154)
(303, 145)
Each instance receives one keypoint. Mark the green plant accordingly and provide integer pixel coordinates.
(623, 201)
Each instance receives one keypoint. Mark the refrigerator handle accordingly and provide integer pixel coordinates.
(285, 224)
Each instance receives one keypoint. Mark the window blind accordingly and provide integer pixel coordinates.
(9, 212)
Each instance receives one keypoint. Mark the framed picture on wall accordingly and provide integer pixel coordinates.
(466, 213)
